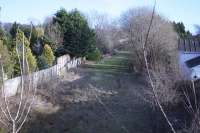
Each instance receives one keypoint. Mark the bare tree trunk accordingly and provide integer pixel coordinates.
(14, 128)
(14, 120)
(149, 75)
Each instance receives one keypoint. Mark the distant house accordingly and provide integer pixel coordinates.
(189, 56)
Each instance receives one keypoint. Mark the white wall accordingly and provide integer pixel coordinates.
(195, 72)
(185, 56)
(63, 62)
(189, 72)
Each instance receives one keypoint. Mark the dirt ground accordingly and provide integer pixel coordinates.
(93, 102)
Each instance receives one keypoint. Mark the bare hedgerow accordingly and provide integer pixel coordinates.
(162, 41)
(161, 50)
(149, 69)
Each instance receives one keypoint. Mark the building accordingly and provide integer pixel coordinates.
(189, 56)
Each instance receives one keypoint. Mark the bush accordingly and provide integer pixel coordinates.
(42, 63)
(94, 56)
(161, 50)
(32, 62)
(48, 55)
(13, 30)
(39, 31)
(2, 130)
(31, 59)
(6, 59)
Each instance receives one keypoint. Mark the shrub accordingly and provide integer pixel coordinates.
(161, 50)
(53, 35)
(31, 59)
(48, 55)
(94, 55)
(6, 59)
(40, 32)
(36, 41)
(13, 30)
(42, 63)
(32, 62)
(2, 130)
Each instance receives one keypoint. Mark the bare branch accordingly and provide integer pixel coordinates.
(149, 75)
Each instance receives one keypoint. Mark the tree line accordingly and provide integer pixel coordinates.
(64, 33)
(67, 32)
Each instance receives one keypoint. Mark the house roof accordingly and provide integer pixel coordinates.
(191, 44)
(193, 62)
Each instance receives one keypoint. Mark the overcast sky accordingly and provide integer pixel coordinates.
(187, 11)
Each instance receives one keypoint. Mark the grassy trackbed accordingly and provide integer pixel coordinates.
(115, 63)
(104, 98)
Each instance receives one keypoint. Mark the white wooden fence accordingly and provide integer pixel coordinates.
(63, 62)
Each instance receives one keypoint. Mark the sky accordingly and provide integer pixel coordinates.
(24, 11)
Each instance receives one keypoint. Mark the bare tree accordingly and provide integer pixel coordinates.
(161, 49)
(107, 31)
(154, 47)
(191, 104)
(15, 109)
(53, 32)
(155, 52)
(157, 100)
(160, 74)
